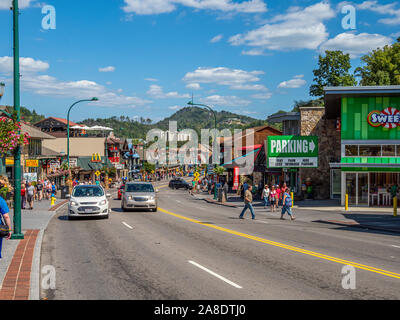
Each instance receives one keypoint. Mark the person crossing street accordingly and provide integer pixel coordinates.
(248, 199)
(287, 205)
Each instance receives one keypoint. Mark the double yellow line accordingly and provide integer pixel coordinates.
(287, 247)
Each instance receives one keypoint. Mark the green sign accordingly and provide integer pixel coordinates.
(292, 152)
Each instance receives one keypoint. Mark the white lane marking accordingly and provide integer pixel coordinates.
(215, 274)
(178, 201)
(127, 225)
(395, 246)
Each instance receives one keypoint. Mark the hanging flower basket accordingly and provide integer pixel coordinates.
(10, 136)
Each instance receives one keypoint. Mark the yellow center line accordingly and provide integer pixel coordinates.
(288, 247)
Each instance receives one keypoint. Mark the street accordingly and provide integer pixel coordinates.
(191, 249)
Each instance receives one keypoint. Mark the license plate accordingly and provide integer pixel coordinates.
(88, 210)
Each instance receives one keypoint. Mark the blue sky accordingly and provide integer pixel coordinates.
(145, 58)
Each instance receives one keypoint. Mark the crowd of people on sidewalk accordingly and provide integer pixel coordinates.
(42, 190)
(276, 196)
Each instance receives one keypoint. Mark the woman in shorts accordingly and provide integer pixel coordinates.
(273, 198)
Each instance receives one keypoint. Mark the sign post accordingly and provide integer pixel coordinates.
(292, 152)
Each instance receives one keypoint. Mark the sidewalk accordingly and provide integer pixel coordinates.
(323, 211)
(19, 267)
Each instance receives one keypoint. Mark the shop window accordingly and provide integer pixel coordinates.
(389, 151)
(370, 151)
(351, 151)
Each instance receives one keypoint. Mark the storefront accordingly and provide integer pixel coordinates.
(370, 142)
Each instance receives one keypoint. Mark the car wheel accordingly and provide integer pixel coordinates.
(70, 218)
(155, 209)
(122, 207)
(106, 217)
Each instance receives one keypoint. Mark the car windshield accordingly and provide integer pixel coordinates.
(87, 191)
(139, 188)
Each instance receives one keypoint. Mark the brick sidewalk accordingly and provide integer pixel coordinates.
(16, 284)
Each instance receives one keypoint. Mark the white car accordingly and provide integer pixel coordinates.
(88, 201)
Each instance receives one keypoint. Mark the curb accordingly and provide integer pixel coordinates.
(220, 203)
(357, 225)
(34, 290)
(58, 205)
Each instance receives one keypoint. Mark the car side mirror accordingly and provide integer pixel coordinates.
(108, 195)
(68, 196)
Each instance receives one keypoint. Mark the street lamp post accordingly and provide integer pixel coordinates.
(17, 152)
(69, 110)
(215, 129)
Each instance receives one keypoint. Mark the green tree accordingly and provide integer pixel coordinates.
(333, 70)
(382, 66)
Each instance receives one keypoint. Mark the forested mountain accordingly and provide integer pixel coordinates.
(187, 118)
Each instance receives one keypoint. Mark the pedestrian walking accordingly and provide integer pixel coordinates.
(273, 198)
(265, 196)
(287, 205)
(279, 197)
(248, 199)
(30, 193)
(39, 188)
(23, 195)
(5, 219)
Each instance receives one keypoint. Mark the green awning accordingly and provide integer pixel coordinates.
(85, 163)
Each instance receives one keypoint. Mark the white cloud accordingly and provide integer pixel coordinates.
(297, 29)
(253, 52)
(356, 44)
(217, 38)
(27, 65)
(193, 86)
(45, 85)
(22, 4)
(174, 107)
(225, 101)
(296, 82)
(234, 78)
(157, 92)
(147, 7)
(107, 69)
(388, 9)
(262, 96)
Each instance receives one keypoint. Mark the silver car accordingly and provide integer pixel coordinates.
(139, 195)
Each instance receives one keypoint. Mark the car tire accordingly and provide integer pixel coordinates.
(107, 216)
(154, 210)
(70, 218)
(122, 207)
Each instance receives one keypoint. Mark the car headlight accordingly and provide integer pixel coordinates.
(129, 197)
(152, 197)
(102, 203)
(74, 203)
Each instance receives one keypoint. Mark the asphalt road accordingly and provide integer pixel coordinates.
(190, 249)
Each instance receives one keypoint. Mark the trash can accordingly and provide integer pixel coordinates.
(64, 192)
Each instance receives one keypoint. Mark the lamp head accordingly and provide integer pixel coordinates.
(2, 86)
(190, 103)
(95, 99)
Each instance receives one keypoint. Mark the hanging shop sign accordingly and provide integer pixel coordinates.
(292, 152)
(388, 118)
(32, 163)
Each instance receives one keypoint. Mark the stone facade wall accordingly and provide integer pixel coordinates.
(313, 123)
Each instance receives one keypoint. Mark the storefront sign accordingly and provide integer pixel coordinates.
(73, 163)
(388, 118)
(119, 166)
(30, 177)
(9, 161)
(292, 152)
(32, 163)
(54, 165)
(235, 178)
